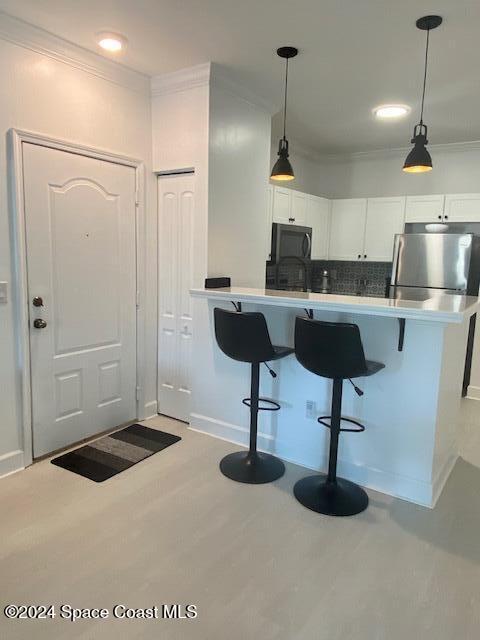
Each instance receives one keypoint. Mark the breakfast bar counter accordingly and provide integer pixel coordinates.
(410, 409)
(445, 308)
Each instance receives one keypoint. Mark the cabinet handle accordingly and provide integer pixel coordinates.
(446, 217)
(439, 217)
(365, 255)
(291, 219)
(359, 256)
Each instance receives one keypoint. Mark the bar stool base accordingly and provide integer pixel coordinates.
(257, 468)
(338, 498)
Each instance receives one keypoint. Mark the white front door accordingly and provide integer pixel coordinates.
(81, 263)
(175, 279)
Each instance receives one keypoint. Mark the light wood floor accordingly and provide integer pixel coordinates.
(256, 563)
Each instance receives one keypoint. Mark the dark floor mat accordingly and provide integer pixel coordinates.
(107, 456)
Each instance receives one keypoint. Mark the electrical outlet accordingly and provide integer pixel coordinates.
(310, 410)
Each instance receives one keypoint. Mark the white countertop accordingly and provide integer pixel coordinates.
(440, 308)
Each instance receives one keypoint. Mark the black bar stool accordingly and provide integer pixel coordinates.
(245, 337)
(333, 350)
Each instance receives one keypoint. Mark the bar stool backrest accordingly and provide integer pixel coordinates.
(243, 336)
(329, 349)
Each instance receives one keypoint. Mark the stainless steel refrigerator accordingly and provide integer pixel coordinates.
(430, 264)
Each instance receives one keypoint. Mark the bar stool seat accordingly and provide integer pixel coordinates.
(333, 350)
(244, 337)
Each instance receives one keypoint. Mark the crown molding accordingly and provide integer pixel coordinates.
(208, 74)
(182, 80)
(40, 41)
(448, 147)
(223, 79)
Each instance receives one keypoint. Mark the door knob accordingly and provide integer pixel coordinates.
(39, 323)
(37, 301)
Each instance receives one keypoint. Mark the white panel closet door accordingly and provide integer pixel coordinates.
(80, 230)
(175, 278)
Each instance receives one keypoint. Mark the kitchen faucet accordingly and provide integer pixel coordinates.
(295, 259)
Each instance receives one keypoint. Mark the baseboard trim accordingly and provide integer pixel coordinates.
(442, 476)
(229, 432)
(151, 410)
(11, 463)
(473, 393)
(397, 486)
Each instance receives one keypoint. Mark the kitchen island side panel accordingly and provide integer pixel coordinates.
(400, 408)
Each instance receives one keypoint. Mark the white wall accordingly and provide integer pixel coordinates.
(200, 121)
(456, 169)
(239, 143)
(50, 97)
(180, 118)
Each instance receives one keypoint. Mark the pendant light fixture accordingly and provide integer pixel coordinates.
(419, 160)
(282, 170)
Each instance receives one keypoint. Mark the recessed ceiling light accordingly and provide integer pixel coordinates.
(387, 111)
(112, 42)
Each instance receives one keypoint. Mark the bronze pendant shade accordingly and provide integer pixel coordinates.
(419, 159)
(282, 169)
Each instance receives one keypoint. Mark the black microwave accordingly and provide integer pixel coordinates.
(290, 240)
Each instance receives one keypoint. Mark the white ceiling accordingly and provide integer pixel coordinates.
(353, 55)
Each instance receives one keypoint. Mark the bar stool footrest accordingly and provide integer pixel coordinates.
(274, 405)
(359, 425)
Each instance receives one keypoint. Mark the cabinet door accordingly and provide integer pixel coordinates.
(462, 207)
(299, 208)
(424, 208)
(347, 229)
(269, 220)
(282, 205)
(385, 218)
(318, 217)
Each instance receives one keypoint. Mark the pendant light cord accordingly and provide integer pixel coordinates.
(285, 102)
(425, 76)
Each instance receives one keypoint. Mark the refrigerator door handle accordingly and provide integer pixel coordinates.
(396, 251)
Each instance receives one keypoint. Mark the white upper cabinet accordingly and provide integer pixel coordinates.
(347, 229)
(385, 218)
(462, 207)
(424, 208)
(318, 218)
(269, 220)
(282, 205)
(289, 206)
(299, 208)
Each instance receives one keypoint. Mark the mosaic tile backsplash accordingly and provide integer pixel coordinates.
(351, 278)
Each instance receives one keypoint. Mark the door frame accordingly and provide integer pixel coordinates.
(15, 140)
